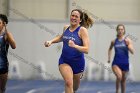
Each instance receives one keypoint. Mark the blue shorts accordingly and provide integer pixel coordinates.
(122, 66)
(77, 64)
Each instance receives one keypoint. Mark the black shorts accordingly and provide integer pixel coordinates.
(3, 70)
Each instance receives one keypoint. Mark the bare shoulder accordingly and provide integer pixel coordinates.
(112, 42)
(128, 39)
(65, 27)
(8, 32)
(83, 29)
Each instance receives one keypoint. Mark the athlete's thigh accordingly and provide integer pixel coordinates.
(117, 71)
(124, 75)
(66, 71)
(76, 78)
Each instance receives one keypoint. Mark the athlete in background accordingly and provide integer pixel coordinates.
(6, 39)
(120, 64)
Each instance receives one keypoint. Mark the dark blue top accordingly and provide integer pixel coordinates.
(69, 53)
(3, 51)
(121, 51)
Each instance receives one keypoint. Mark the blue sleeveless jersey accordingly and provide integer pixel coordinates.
(71, 56)
(121, 57)
(3, 52)
(67, 51)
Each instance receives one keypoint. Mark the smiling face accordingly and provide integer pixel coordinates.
(75, 18)
(120, 30)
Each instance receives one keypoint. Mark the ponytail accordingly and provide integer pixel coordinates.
(86, 21)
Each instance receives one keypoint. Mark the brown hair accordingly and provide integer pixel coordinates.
(119, 26)
(86, 21)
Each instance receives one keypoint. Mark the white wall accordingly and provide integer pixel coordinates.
(40, 9)
(30, 37)
(3, 7)
(110, 10)
(116, 10)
